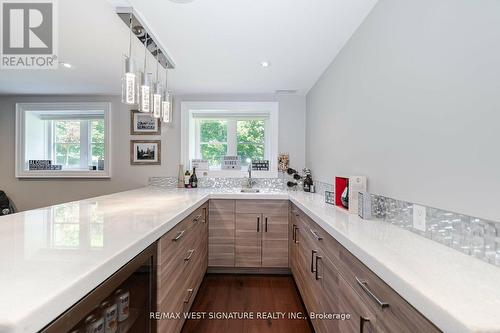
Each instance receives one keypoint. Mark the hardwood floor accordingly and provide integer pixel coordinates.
(251, 294)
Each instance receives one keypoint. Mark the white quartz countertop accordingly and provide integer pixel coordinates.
(51, 257)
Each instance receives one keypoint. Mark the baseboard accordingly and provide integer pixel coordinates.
(250, 270)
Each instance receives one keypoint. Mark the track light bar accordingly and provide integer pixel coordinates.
(140, 30)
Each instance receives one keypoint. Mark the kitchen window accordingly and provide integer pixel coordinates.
(212, 130)
(63, 140)
(76, 144)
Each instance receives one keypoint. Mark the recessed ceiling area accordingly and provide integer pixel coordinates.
(218, 46)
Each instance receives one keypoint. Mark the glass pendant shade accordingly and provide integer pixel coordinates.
(157, 101)
(145, 93)
(166, 108)
(129, 83)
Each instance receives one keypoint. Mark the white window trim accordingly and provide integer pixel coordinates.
(22, 108)
(268, 109)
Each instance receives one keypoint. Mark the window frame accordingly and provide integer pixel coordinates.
(20, 162)
(190, 111)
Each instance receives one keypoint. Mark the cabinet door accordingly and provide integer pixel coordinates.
(293, 241)
(362, 320)
(221, 229)
(248, 242)
(275, 241)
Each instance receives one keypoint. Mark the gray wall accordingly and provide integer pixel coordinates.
(413, 102)
(29, 194)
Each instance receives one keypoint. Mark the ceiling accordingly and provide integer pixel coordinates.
(217, 45)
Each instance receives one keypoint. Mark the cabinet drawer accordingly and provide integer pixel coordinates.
(362, 319)
(266, 207)
(394, 314)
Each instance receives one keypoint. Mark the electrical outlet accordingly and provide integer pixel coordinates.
(419, 216)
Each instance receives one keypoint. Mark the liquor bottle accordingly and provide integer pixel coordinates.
(186, 179)
(193, 181)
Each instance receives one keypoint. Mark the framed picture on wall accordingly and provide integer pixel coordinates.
(144, 124)
(145, 152)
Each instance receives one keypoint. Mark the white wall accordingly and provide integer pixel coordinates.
(35, 135)
(28, 194)
(291, 138)
(413, 102)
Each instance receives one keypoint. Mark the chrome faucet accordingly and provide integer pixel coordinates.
(250, 181)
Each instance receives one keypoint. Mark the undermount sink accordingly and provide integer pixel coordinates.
(250, 190)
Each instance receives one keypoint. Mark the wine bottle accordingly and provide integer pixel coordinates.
(307, 183)
(193, 181)
(186, 179)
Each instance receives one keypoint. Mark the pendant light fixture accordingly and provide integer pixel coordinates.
(145, 91)
(166, 105)
(129, 78)
(157, 93)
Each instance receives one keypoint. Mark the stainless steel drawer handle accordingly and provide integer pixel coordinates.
(190, 254)
(190, 292)
(362, 321)
(179, 235)
(294, 228)
(258, 224)
(318, 277)
(266, 224)
(297, 235)
(313, 252)
(365, 288)
(315, 234)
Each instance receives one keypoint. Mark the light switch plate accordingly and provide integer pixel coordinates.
(419, 215)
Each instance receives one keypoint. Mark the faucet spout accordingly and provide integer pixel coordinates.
(250, 180)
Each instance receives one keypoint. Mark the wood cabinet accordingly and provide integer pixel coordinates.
(182, 263)
(332, 280)
(261, 238)
(221, 233)
(248, 242)
(393, 312)
(275, 241)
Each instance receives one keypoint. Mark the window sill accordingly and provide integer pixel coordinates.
(63, 174)
(238, 174)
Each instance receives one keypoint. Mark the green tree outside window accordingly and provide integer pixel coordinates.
(250, 140)
(213, 140)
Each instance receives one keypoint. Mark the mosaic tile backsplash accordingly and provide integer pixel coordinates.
(470, 235)
(216, 182)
